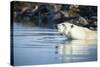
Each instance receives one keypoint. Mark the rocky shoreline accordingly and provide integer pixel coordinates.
(53, 14)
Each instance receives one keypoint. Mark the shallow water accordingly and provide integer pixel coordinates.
(40, 45)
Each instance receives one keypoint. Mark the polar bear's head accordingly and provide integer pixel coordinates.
(65, 27)
(73, 31)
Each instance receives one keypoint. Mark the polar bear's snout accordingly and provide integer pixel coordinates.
(60, 28)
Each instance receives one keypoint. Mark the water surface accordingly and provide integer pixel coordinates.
(40, 45)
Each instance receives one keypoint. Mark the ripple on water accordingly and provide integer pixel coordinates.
(46, 46)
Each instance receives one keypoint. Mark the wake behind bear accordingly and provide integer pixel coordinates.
(73, 31)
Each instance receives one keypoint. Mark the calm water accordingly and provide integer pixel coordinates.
(38, 45)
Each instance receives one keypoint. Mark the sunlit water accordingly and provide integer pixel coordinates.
(40, 45)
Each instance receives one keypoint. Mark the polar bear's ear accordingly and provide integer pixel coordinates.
(72, 26)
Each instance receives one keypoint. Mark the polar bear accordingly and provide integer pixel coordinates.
(76, 32)
(78, 49)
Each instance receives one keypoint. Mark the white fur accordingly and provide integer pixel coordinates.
(76, 47)
(76, 32)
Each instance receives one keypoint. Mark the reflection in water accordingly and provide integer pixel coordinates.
(38, 45)
(77, 50)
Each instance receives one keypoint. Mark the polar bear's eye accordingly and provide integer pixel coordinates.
(63, 24)
(72, 26)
